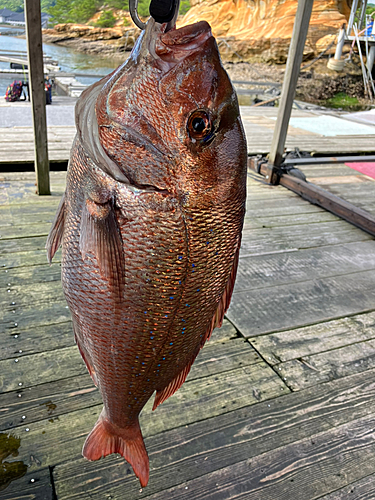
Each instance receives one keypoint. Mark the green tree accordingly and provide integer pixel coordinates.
(106, 20)
(61, 12)
(84, 9)
(184, 7)
(118, 4)
(14, 5)
(73, 11)
(143, 7)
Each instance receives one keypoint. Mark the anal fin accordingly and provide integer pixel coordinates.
(174, 385)
(55, 235)
(217, 321)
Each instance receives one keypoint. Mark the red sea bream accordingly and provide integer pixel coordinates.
(150, 225)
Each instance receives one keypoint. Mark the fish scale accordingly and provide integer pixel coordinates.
(150, 225)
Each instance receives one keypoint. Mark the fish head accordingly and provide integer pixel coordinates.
(168, 118)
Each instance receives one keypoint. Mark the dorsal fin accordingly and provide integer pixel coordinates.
(55, 235)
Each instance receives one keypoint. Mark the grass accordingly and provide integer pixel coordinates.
(341, 100)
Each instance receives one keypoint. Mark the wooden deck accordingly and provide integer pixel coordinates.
(259, 123)
(280, 404)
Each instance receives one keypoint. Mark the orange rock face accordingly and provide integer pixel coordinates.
(262, 29)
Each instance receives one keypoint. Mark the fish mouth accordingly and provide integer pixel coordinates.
(169, 45)
(190, 36)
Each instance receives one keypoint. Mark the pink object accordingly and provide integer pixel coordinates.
(366, 168)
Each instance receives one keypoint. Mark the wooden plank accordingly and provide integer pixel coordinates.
(364, 489)
(51, 399)
(37, 93)
(54, 440)
(23, 342)
(48, 401)
(302, 303)
(256, 272)
(26, 231)
(315, 369)
(30, 275)
(334, 204)
(274, 207)
(47, 367)
(186, 453)
(27, 244)
(318, 196)
(287, 237)
(26, 259)
(32, 486)
(303, 471)
(289, 220)
(52, 313)
(65, 362)
(10, 220)
(322, 337)
(254, 240)
(44, 293)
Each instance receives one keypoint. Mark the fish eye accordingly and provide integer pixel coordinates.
(199, 125)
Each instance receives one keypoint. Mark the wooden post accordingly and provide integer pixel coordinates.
(297, 44)
(37, 92)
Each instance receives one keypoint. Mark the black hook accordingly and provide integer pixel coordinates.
(163, 11)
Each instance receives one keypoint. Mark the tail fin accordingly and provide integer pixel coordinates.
(107, 438)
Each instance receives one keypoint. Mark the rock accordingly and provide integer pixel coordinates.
(261, 30)
(246, 30)
(90, 39)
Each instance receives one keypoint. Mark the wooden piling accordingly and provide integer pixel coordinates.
(37, 92)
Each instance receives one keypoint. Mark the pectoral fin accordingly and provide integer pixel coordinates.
(100, 236)
(55, 235)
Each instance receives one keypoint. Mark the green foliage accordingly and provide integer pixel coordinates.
(184, 7)
(117, 4)
(106, 20)
(143, 8)
(341, 100)
(73, 11)
(80, 11)
(370, 8)
(18, 5)
(14, 5)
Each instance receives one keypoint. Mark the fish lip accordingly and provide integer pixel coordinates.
(187, 37)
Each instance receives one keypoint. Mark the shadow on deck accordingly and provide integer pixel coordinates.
(280, 404)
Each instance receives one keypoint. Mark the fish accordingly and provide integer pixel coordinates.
(150, 225)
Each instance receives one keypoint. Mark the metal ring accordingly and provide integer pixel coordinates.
(133, 4)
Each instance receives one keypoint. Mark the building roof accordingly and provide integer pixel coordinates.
(6, 12)
(17, 17)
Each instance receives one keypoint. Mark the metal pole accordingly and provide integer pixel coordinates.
(352, 16)
(340, 43)
(37, 92)
(301, 25)
(371, 58)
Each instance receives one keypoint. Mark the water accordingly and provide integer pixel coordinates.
(68, 60)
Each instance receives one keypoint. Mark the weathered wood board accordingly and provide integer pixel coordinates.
(304, 308)
(210, 445)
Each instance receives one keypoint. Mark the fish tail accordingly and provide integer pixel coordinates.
(107, 438)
